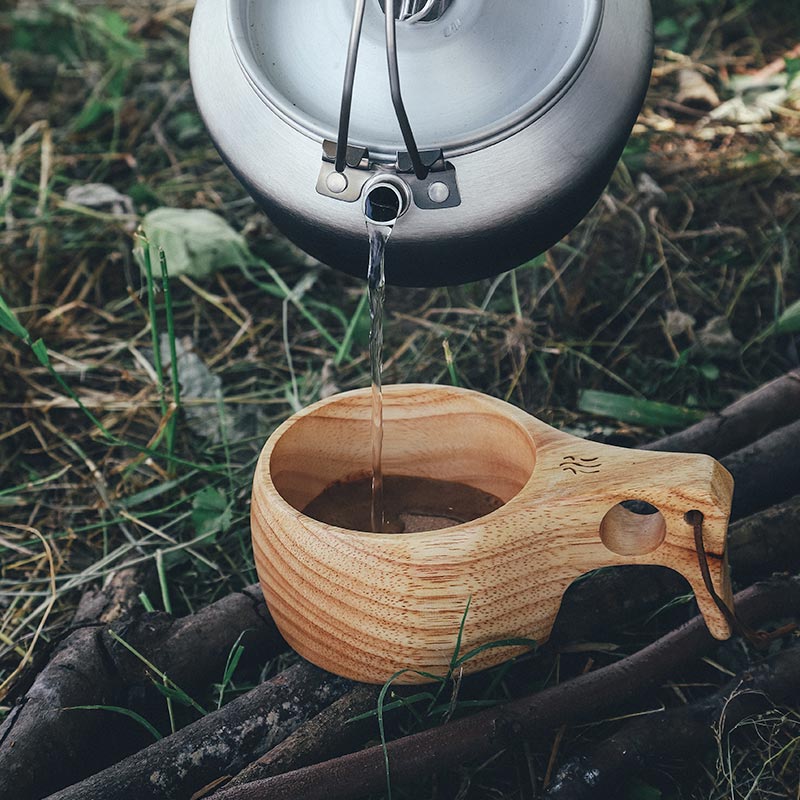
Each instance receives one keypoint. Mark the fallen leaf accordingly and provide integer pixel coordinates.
(100, 195)
(634, 410)
(679, 322)
(211, 512)
(196, 242)
(717, 340)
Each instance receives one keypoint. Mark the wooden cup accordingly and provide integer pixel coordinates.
(367, 605)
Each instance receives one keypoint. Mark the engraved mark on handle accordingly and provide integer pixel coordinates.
(584, 466)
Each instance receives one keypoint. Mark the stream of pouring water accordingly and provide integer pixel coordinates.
(376, 286)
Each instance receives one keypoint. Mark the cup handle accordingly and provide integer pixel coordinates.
(590, 482)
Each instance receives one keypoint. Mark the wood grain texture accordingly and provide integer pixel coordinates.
(367, 605)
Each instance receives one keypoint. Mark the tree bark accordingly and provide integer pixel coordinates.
(42, 746)
(766, 472)
(771, 406)
(117, 599)
(531, 717)
(328, 735)
(768, 541)
(37, 731)
(219, 743)
(193, 650)
(682, 734)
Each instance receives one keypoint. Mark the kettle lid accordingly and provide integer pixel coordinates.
(469, 78)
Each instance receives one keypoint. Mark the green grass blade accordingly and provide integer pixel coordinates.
(343, 354)
(162, 581)
(789, 321)
(152, 492)
(648, 413)
(146, 602)
(381, 708)
(281, 289)
(515, 295)
(170, 688)
(451, 364)
(518, 642)
(151, 311)
(124, 711)
(40, 351)
(9, 321)
(173, 350)
(20, 487)
(401, 703)
(233, 662)
(234, 656)
(382, 729)
(454, 661)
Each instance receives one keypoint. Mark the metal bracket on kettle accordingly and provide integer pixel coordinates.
(438, 189)
(346, 169)
(348, 183)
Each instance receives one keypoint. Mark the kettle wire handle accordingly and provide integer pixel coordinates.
(347, 89)
(420, 169)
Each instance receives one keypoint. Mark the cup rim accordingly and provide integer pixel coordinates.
(504, 409)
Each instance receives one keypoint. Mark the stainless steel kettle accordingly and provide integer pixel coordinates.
(487, 127)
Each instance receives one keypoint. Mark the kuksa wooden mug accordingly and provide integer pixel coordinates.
(367, 605)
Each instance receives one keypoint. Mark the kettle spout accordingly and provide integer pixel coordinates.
(386, 200)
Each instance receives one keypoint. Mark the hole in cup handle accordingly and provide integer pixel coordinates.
(633, 528)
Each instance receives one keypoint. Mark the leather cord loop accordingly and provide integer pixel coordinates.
(758, 638)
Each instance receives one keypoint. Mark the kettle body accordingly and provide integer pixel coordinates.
(528, 104)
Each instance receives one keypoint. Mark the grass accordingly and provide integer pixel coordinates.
(107, 459)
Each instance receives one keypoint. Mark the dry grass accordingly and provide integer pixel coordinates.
(700, 218)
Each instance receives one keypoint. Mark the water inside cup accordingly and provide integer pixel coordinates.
(411, 504)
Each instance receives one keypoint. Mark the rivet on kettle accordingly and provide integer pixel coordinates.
(438, 192)
(336, 182)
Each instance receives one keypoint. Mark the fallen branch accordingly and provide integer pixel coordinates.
(766, 542)
(117, 599)
(219, 743)
(757, 545)
(98, 605)
(89, 668)
(37, 731)
(193, 650)
(766, 472)
(684, 733)
(777, 66)
(531, 717)
(758, 413)
(328, 735)
(590, 609)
